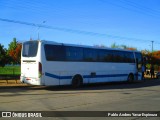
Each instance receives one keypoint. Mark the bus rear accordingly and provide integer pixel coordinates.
(31, 67)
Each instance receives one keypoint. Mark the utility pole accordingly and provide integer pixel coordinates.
(152, 46)
(152, 53)
(39, 28)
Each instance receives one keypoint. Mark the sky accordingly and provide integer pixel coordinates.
(134, 23)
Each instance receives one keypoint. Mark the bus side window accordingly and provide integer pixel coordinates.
(54, 52)
(103, 56)
(90, 55)
(74, 53)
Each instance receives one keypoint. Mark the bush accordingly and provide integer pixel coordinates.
(10, 70)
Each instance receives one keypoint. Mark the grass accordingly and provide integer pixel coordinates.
(10, 70)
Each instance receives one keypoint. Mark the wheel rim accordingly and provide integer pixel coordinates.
(76, 83)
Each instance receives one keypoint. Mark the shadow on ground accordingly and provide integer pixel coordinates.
(104, 86)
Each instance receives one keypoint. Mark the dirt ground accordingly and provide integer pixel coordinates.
(11, 83)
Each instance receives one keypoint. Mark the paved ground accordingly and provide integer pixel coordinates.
(105, 97)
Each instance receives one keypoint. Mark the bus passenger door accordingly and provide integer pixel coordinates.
(138, 66)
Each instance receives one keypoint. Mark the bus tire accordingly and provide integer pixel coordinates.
(77, 81)
(130, 78)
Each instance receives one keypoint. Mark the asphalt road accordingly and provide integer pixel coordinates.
(143, 96)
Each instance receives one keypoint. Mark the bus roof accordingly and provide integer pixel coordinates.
(84, 46)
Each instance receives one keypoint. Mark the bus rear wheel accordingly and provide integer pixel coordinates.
(77, 81)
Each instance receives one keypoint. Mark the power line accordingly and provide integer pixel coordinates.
(34, 7)
(37, 8)
(142, 8)
(74, 30)
(134, 8)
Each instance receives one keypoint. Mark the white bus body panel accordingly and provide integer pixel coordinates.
(61, 73)
(104, 72)
(29, 73)
(30, 70)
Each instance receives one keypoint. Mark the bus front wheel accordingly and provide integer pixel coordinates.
(130, 78)
(77, 81)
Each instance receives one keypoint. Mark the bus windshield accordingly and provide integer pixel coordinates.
(30, 49)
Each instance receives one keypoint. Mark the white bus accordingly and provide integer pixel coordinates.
(50, 64)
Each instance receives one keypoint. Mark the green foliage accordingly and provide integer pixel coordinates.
(114, 45)
(148, 66)
(12, 45)
(14, 51)
(124, 46)
(3, 57)
(10, 70)
(156, 67)
(152, 57)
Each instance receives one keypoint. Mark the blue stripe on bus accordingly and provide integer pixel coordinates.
(103, 76)
(57, 77)
(85, 76)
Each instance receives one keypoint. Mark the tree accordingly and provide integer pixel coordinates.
(131, 48)
(155, 58)
(14, 51)
(124, 46)
(156, 54)
(12, 45)
(3, 59)
(152, 58)
(114, 45)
